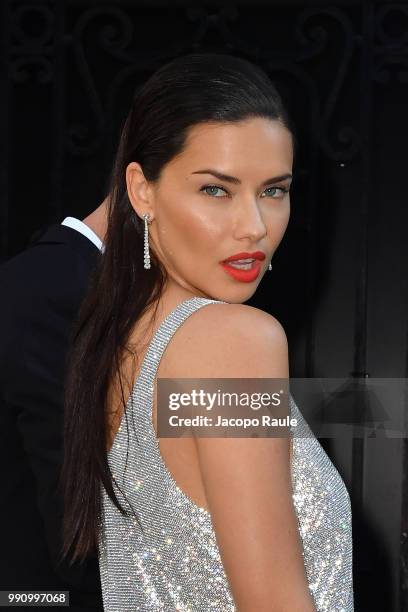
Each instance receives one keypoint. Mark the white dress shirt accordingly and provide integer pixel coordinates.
(84, 229)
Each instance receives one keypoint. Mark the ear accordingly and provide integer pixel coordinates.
(138, 189)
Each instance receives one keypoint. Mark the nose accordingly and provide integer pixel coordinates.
(248, 222)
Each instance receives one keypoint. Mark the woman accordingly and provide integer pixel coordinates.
(202, 173)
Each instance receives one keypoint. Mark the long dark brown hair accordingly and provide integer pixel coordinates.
(192, 89)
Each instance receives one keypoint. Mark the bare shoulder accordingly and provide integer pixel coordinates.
(233, 314)
(228, 340)
(247, 481)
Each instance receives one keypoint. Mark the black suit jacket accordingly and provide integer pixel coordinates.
(41, 290)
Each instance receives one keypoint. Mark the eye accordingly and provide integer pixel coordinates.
(214, 187)
(283, 190)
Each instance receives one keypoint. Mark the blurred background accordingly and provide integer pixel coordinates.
(339, 278)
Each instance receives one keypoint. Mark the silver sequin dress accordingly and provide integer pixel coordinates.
(173, 562)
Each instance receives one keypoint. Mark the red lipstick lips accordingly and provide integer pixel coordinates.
(257, 255)
(241, 274)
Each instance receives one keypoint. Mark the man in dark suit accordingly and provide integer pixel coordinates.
(41, 291)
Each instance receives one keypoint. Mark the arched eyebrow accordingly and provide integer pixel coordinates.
(236, 181)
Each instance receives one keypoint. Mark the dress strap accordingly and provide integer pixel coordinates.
(145, 383)
(136, 431)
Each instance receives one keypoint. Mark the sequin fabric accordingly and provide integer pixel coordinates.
(323, 509)
(171, 561)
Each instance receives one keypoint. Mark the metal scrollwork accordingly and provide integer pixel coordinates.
(391, 55)
(32, 39)
(319, 42)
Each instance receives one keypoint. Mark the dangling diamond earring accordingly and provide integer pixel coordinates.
(270, 266)
(146, 218)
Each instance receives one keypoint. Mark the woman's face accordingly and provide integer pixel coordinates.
(201, 218)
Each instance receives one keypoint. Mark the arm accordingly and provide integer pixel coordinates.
(41, 298)
(247, 481)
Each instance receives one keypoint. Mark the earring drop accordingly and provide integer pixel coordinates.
(146, 218)
(270, 266)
